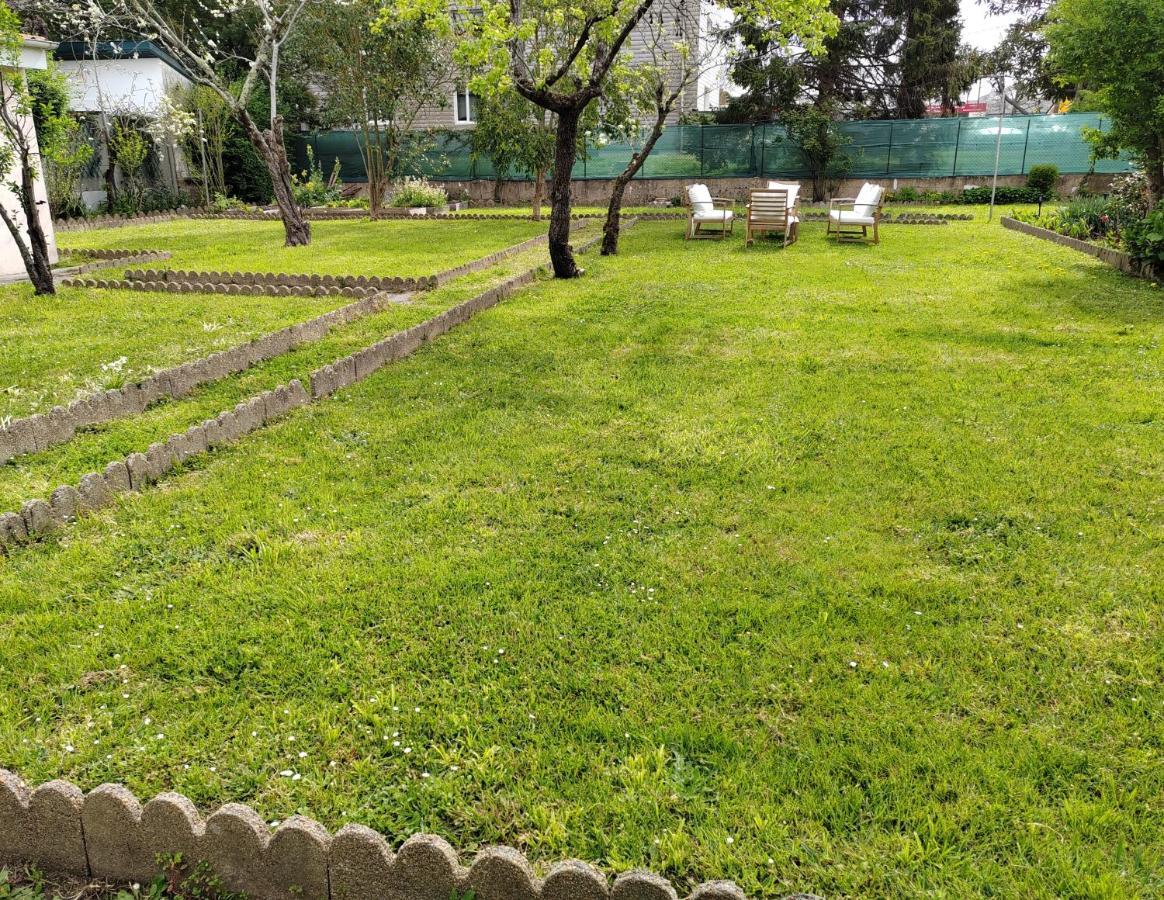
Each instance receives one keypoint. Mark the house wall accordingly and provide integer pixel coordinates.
(11, 263)
(133, 87)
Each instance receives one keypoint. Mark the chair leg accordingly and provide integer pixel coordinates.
(876, 238)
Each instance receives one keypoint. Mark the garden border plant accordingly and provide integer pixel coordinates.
(109, 834)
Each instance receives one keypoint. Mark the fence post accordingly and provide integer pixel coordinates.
(763, 147)
(957, 142)
(701, 127)
(1026, 143)
(889, 155)
(752, 160)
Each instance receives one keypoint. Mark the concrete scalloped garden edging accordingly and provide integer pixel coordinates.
(108, 834)
(137, 471)
(109, 221)
(35, 433)
(111, 259)
(1116, 258)
(41, 431)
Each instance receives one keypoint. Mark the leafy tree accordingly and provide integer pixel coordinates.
(1114, 47)
(562, 57)
(814, 129)
(516, 137)
(21, 109)
(886, 60)
(378, 75)
(189, 32)
(65, 149)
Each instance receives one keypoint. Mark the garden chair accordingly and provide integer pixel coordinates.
(773, 211)
(704, 209)
(864, 213)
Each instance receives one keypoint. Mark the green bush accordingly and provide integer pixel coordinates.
(410, 192)
(246, 174)
(1145, 239)
(905, 195)
(310, 188)
(1043, 179)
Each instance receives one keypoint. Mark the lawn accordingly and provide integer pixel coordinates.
(827, 568)
(59, 348)
(361, 247)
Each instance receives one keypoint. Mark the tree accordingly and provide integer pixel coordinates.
(516, 137)
(191, 40)
(378, 75)
(1114, 47)
(672, 64)
(20, 109)
(887, 59)
(563, 57)
(69, 151)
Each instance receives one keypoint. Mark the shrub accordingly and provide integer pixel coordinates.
(1043, 179)
(223, 203)
(310, 188)
(1088, 214)
(906, 195)
(1145, 239)
(1003, 195)
(410, 192)
(1129, 197)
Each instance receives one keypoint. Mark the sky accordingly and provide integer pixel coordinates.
(980, 29)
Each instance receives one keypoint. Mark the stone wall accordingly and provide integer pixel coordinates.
(108, 834)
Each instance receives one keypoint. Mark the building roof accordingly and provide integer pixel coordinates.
(83, 50)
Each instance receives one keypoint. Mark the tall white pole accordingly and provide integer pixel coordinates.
(997, 145)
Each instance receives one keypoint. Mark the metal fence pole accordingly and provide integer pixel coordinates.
(701, 127)
(1026, 143)
(957, 141)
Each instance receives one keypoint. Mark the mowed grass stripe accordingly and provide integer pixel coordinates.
(844, 554)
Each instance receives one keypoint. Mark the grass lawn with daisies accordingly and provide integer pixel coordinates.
(827, 568)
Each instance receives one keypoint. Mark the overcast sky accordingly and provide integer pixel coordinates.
(979, 29)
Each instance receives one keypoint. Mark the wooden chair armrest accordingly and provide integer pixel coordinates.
(839, 200)
(728, 200)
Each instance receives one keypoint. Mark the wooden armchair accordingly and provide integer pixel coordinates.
(863, 213)
(704, 209)
(773, 211)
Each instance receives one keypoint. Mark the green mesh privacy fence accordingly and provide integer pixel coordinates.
(908, 148)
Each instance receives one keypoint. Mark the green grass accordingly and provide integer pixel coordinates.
(827, 568)
(386, 248)
(63, 347)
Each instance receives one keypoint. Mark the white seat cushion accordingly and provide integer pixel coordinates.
(868, 199)
(850, 218)
(700, 198)
(791, 187)
(714, 215)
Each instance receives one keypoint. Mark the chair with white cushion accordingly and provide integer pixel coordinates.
(708, 210)
(772, 211)
(864, 212)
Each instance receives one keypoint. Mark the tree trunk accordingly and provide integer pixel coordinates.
(611, 229)
(1154, 159)
(498, 183)
(539, 194)
(34, 251)
(565, 152)
(269, 145)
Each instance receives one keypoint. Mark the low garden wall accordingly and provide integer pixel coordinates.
(1113, 257)
(108, 834)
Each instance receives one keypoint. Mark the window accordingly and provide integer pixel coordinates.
(465, 107)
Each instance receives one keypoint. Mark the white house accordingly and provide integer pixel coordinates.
(120, 78)
(33, 55)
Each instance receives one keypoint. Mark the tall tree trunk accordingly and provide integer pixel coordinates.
(269, 144)
(565, 152)
(34, 251)
(613, 224)
(539, 194)
(1154, 159)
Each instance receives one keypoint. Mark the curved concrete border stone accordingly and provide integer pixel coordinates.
(109, 834)
(1116, 258)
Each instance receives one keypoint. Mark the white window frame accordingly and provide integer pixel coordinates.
(463, 92)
